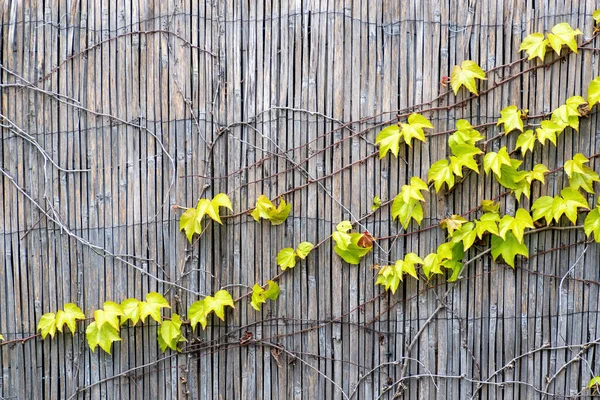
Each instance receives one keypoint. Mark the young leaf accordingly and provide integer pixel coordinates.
(563, 117)
(376, 203)
(594, 92)
(451, 223)
(465, 75)
(407, 211)
(266, 209)
(512, 178)
(516, 224)
(389, 140)
(344, 226)
(508, 248)
(390, 276)
(489, 206)
(151, 307)
(218, 303)
(548, 130)
(131, 311)
(596, 16)
(581, 175)
(304, 249)
(465, 160)
(190, 223)
(69, 315)
(466, 234)
(260, 295)
(286, 258)
(537, 174)
(1, 337)
(493, 161)
(535, 45)
(488, 223)
(592, 224)
(439, 173)
(353, 253)
(414, 128)
(594, 383)
(465, 134)
(47, 325)
(103, 335)
(169, 334)
(413, 191)
(511, 118)
(542, 208)
(197, 314)
(109, 315)
(563, 34)
(567, 203)
(526, 141)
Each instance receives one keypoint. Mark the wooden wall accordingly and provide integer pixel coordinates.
(114, 111)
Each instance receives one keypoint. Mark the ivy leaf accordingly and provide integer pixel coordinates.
(304, 249)
(353, 253)
(465, 75)
(260, 295)
(69, 315)
(190, 223)
(537, 174)
(413, 191)
(432, 265)
(218, 303)
(452, 223)
(594, 91)
(511, 117)
(1, 337)
(103, 335)
(489, 206)
(594, 383)
(406, 211)
(439, 173)
(376, 203)
(344, 226)
(286, 258)
(493, 161)
(266, 209)
(465, 160)
(535, 45)
(151, 307)
(389, 140)
(563, 118)
(567, 203)
(563, 34)
(169, 334)
(512, 178)
(542, 208)
(414, 128)
(465, 234)
(508, 248)
(109, 315)
(596, 16)
(464, 134)
(131, 311)
(572, 105)
(526, 141)
(516, 224)
(488, 223)
(197, 314)
(47, 325)
(548, 130)
(581, 175)
(407, 266)
(390, 276)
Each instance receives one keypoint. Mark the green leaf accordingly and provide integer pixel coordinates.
(465, 76)
(508, 248)
(197, 314)
(390, 276)
(465, 134)
(465, 160)
(465, 234)
(535, 45)
(69, 315)
(493, 161)
(414, 128)
(440, 173)
(542, 208)
(548, 130)
(516, 224)
(260, 295)
(596, 16)
(594, 92)
(218, 303)
(432, 265)
(488, 223)
(109, 315)
(151, 307)
(169, 334)
(581, 175)
(286, 258)
(407, 211)
(592, 224)
(594, 383)
(389, 140)
(376, 203)
(489, 206)
(47, 325)
(563, 34)
(567, 203)
(190, 223)
(1, 337)
(537, 174)
(103, 335)
(353, 253)
(572, 104)
(413, 191)
(511, 118)
(131, 311)
(342, 239)
(563, 118)
(526, 141)
(304, 249)
(451, 223)
(266, 209)
(344, 226)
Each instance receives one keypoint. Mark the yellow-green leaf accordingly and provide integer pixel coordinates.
(69, 315)
(389, 140)
(304, 249)
(441, 172)
(169, 334)
(465, 75)
(286, 258)
(266, 209)
(218, 303)
(526, 141)
(535, 45)
(104, 336)
(511, 118)
(376, 203)
(47, 325)
(516, 224)
(260, 295)
(594, 92)
(451, 223)
(110, 315)
(413, 191)
(548, 130)
(151, 307)
(563, 34)
(414, 128)
(131, 311)
(493, 161)
(405, 211)
(542, 208)
(508, 248)
(197, 314)
(189, 223)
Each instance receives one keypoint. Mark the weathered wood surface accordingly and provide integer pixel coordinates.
(112, 112)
